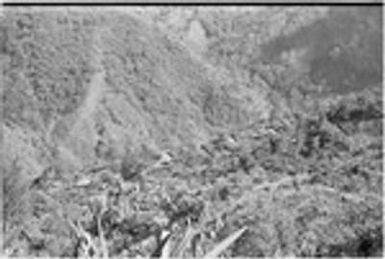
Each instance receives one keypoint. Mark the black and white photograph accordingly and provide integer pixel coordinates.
(192, 131)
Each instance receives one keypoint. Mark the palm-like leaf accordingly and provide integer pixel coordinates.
(222, 246)
(190, 233)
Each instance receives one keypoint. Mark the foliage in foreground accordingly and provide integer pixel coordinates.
(319, 194)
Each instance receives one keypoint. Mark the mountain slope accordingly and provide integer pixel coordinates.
(124, 125)
(117, 82)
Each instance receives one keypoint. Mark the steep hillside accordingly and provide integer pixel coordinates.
(121, 125)
(110, 81)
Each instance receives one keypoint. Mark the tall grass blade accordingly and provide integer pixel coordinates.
(103, 243)
(166, 250)
(186, 241)
(225, 244)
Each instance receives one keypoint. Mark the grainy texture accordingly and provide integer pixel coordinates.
(166, 130)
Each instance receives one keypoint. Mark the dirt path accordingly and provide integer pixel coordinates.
(95, 92)
(79, 123)
(96, 86)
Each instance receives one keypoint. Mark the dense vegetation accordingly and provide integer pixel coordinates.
(118, 128)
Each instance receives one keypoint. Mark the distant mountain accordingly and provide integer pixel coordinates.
(342, 51)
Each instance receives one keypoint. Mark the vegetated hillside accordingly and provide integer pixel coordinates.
(120, 125)
(333, 46)
(322, 44)
(112, 82)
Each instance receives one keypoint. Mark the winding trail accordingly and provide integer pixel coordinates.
(96, 87)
